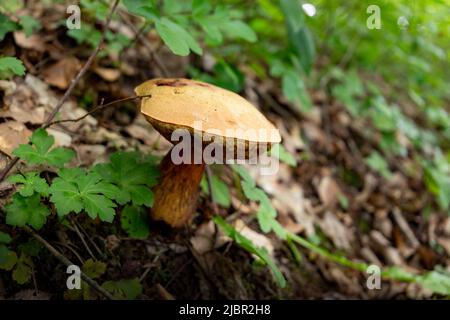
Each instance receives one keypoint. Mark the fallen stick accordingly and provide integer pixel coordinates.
(67, 262)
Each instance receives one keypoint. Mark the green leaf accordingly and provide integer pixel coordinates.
(31, 248)
(243, 174)
(294, 90)
(298, 33)
(23, 270)
(266, 218)
(135, 222)
(29, 25)
(246, 244)
(26, 211)
(5, 238)
(8, 258)
(29, 183)
(200, 7)
(220, 191)
(143, 8)
(279, 151)
(11, 65)
(437, 180)
(172, 7)
(376, 162)
(39, 151)
(124, 289)
(6, 26)
(94, 269)
(383, 116)
(239, 29)
(224, 75)
(99, 10)
(435, 281)
(132, 175)
(266, 213)
(177, 38)
(75, 190)
(293, 13)
(87, 34)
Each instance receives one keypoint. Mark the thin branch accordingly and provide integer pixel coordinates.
(77, 231)
(67, 262)
(145, 42)
(69, 90)
(98, 108)
(85, 67)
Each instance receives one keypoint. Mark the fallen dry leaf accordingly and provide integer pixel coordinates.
(20, 104)
(336, 231)
(108, 74)
(203, 241)
(12, 134)
(33, 42)
(328, 191)
(61, 73)
(256, 238)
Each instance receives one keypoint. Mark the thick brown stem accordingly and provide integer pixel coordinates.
(176, 194)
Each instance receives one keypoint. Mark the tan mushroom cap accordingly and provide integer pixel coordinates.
(202, 107)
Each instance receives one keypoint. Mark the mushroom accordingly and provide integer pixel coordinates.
(214, 122)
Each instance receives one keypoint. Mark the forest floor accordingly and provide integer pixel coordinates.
(331, 196)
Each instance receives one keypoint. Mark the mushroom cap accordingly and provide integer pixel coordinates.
(204, 108)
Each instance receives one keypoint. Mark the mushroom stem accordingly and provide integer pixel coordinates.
(177, 192)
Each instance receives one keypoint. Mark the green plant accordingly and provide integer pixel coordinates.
(98, 191)
(10, 66)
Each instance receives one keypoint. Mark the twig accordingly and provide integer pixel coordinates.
(146, 44)
(102, 255)
(69, 90)
(83, 70)
(404, 226)
(67, 262)
(77, 231)
(98, 108)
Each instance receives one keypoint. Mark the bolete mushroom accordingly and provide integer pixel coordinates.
(216, 120)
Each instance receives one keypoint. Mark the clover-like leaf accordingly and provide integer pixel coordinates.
(132, 175)
(8, 258)
(39, 151)
(10, 66)
(26, 211)
(124, 289)
(134, 221)
(29, 183)
(75, 190)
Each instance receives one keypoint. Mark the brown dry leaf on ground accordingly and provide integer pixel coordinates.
(328, 191)
(256, 238)
(12, 134)
(61, 73)
(207, 237)
(108, 74)
(21, 104)
(33, 42)
(341, 235)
